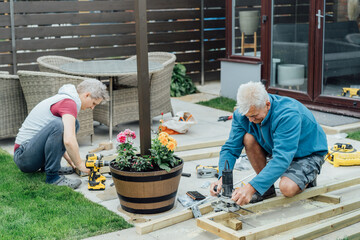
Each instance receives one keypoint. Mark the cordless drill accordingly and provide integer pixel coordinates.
(94, 163)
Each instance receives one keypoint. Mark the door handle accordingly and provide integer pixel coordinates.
(319, 16)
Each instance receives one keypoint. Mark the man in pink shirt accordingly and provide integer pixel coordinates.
(49, 131)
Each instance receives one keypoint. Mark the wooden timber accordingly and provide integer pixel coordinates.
(208, 222)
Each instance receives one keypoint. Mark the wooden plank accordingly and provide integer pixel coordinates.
(170, 220)
(300, 220)
(173, 14)
(200, 145)
(234, 223)
(72, 18)
(71, 6)
(98, 29)
(327, 198)
(308, 193)
(83, 42)
(5, 33)
(5, 20)
(320, 229)
(198, 156)
(217, 229)
(166, 4)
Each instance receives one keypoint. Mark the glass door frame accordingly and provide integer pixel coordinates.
(313, 98)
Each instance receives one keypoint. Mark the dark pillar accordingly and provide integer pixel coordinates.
(143, 76)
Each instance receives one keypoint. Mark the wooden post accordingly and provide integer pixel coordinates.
(143, 76)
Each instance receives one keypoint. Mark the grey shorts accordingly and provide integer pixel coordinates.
(304, 170)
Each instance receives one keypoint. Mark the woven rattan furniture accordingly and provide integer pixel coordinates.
(52, 63)
(38, 86)
(160, 83)
(114, 70)
(12, 106)
(125, 99)
(4, 72)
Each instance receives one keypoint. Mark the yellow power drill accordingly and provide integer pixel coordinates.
(94, 163)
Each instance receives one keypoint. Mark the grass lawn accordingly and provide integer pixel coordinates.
(32, 209)
(354, 135)
(221, 103)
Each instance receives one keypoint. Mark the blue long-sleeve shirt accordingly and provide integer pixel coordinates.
(288, 131)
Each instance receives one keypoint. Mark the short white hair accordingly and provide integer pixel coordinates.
(96, 88)
(251, 94)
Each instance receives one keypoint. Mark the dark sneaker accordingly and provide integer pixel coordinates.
(268, 194)
(66, 170)
(63, 181)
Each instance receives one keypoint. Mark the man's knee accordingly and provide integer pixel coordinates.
(288, 187)
(249, 141)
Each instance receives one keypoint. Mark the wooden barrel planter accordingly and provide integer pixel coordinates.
(147, 192)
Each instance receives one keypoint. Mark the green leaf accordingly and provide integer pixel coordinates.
(165, 166)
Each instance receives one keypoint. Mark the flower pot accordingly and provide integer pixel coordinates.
(147, 192)
(291, 74)
(249, 21)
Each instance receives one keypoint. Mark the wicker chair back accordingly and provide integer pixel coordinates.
(13, 106)
(38, 86)
(52, 64)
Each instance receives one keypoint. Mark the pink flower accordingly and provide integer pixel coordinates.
(124, 149)
(127, 132)
(120, 137)
(133, 135)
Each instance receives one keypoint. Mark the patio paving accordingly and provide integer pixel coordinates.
(207, 129)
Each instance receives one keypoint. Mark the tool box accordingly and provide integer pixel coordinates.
(343, 154)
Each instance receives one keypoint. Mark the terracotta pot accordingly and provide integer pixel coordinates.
(147, 192)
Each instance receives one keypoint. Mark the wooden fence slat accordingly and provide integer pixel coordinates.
(71, 6)
(102, 29)
(83, 42)
(72, 18)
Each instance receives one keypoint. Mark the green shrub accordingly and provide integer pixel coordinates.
(181, 84)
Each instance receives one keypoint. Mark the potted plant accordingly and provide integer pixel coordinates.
(146, 184)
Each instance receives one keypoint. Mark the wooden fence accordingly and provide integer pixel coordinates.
(106, 29)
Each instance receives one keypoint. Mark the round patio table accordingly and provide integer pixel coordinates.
(107, 68)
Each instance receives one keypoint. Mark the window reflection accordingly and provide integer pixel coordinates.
(246, 30)
(341, 60)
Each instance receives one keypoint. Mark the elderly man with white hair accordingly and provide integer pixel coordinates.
(277, 128)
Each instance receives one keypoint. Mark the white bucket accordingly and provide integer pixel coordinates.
(291, 74)
(249, 21)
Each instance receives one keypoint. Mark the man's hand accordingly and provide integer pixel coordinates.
(242, 195)
(84, 169)
(218, 183)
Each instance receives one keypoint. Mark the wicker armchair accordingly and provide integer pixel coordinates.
(52, 64)
(125, 99)
(13, 106)
(38, 86)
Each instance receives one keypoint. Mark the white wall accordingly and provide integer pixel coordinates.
(233, 74)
